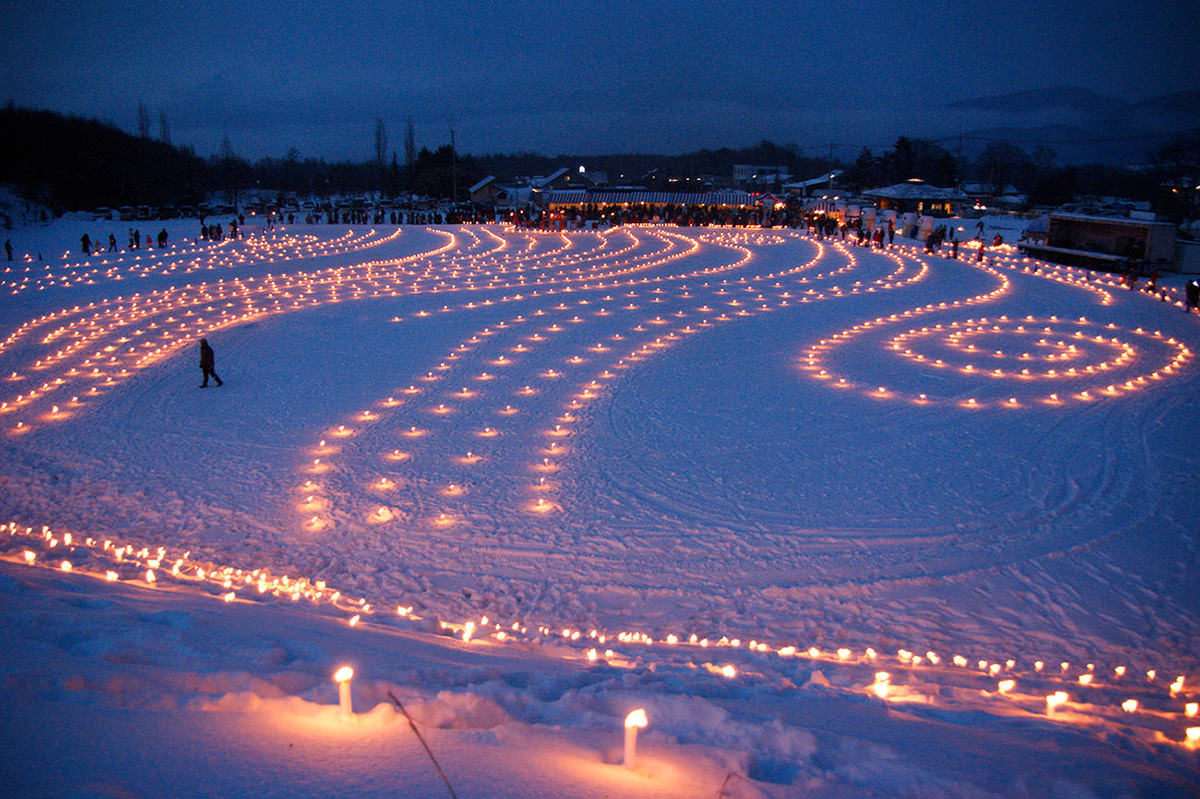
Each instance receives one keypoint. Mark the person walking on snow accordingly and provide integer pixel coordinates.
(206, 364)
(1191, 293)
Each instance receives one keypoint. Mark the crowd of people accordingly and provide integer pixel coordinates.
(682, 215)
(379, 216)
(91, 246)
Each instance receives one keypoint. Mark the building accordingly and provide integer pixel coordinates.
(804, 188)
(565, 178)
(753, 175)
(1111, 243)
(988, 195)
(917, 196)
(486, 192)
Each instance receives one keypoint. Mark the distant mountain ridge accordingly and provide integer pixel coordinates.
(1071, 98)
(1080, 124)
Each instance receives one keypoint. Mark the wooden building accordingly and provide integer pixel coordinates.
(1107, 242)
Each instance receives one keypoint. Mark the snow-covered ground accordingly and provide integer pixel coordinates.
(839, 519)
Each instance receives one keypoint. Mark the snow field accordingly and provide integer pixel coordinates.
(791, 457)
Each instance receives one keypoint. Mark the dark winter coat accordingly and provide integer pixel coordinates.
(206, 356)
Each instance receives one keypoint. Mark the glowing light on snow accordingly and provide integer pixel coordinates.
(882, 685)
(634, 721)
(1056, 700)
(342, 677)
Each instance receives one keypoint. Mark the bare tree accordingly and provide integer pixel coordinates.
(381, 143)
(143, 121)
(410, 145)
(164, 130)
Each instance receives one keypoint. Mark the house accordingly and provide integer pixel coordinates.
(806, 187)
(760, 175)
(917, 196)
(985, 195)
(486, 191)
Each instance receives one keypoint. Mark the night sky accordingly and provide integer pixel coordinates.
(574, 77)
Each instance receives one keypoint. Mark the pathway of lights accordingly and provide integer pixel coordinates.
(643, 337)
(1016, 363)
(183, 259)
(569, 292)
(1149, 704)
(103, 344)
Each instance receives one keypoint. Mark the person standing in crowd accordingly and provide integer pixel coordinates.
(1191, 294)
(85, 244)
(207, 364)
(8, 248)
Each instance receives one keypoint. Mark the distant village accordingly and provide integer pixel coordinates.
(1061, 214)
(1106, 233)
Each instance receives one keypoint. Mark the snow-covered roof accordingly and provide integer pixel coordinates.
(481, 184)
(915, 190)
(989, 189)
(546, 181)
(1124, 220)
(832, 174)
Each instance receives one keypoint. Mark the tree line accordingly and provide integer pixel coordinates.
(71, 163)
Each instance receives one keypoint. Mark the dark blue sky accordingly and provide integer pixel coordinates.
(577, 77)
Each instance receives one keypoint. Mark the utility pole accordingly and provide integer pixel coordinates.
(453, 167)
(959, 166)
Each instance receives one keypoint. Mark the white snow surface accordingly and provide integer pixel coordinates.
(530, 481)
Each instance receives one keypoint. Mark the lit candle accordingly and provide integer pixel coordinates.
(635, 719)
(342, 677)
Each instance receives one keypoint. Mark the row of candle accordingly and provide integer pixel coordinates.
(314, 494)
(1147, 701)
(168, 320)
(185, 259)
